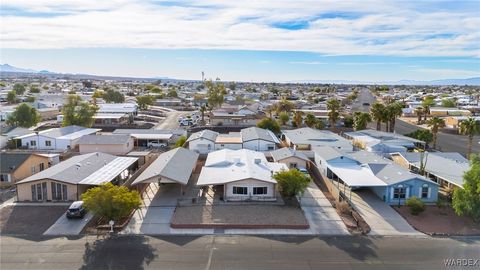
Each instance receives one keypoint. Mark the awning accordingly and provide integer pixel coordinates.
(357, 176)
(108, 172)
(152, 136)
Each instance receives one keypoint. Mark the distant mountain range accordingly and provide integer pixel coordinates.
(468, 81)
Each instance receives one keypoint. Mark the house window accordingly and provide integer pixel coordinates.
(59, 192)
(293, 165)
(424, 194)
(259, 190)
(48, 143)
(4, 177)
(270, 147)
(41, 166)
(33, 143)
(39, 191)
(399, 193)
(240, 190)
(33, 169)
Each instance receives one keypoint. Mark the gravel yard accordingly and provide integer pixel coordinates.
(32, 220)
(240, 215)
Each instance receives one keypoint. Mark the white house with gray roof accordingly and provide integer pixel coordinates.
(290, 157)
(252, 138)
(68, 180)
(244, 174)
(306, 138)
(55, 138)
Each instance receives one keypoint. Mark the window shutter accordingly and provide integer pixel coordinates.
(420, 192)
(428, 195)
(407, 192)
(391, 192)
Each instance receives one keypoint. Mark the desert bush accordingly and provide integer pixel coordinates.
(416, 205)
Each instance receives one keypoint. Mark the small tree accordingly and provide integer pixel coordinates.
(34, 89)
(435, 124)
(19, 88)
(180, 142)
(78, 112)
(24, 116)
(310, 120)
(270, 124)
(422, 135)
(466, 201)
(448, 102)
(144, 101)
(416, 205)
(292, 182)
(112, 96)
(283, 117)
(12, 97)
(111, 202)
(361, 120)
(333, 106)
(319, 124)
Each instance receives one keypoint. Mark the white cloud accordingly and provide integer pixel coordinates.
(377, 28)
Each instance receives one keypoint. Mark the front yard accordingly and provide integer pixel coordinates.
(239, 216)
(32, 220)
(440, 221)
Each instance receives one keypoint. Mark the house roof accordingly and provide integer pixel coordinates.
(117, 107)
(205, 134)
(178, 132)
(286, 152)
(393, 138)
(176, 165)
(90, 169)
(69, 133)
(315, 137)
(256, 133)
(449, 166)
(228, 139)
(9, 162)
(225, 166)
(327, 152)
(104, 139)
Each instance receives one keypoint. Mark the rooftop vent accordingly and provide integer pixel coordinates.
(257, 161)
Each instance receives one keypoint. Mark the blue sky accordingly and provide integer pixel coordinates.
(371, 40)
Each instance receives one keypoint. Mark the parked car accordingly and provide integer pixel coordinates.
(366, 104)
(303, 170)
(76, 210)
(157, 145)
(186, 122)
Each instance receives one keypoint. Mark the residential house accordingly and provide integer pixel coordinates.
(290, 157)
(444, 168)
(111, 119)
(142, 137)
(55, 138)
(455, 121)
(17, 166)
(390, 182)
(119, 144)
(202, 142)
(383, 143)
(234, 119)
(69, 179)
(130, 109)
(307, 138)
(441, 111)
(244, 174)
(259, 139)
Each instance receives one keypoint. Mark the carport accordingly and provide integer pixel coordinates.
(172, 167)
(142, 139)
(353, 176)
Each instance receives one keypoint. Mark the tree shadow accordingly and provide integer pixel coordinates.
(118, 252)
(358, 247)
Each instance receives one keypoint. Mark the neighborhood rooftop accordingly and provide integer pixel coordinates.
(104, 139)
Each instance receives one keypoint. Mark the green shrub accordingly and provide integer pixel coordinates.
(416, 205)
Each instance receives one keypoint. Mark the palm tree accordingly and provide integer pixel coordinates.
(333, 107)
(310, 120)
(435, 124)
(377, 111)
(203, 109)
(419, 113)
(360, 120)
(270, 109)
(394, 110)
(298, 118)
(283, 117)
(426, 104)
(470, 127)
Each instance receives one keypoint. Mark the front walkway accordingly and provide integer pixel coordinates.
(382, 219)
(322, 217)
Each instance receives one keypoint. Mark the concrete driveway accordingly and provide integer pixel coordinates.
(322, 217)
(66, 226)
(382, 219)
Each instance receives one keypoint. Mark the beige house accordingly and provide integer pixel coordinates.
(69, 179)
(110, 144)
(290, 157)
(18, 166)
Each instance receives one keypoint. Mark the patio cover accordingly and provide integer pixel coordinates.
(357, 175)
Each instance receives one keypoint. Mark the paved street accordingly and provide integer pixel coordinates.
(445, 142)
(171, 120)
(364, 96)
(235, 252)
(382, 219)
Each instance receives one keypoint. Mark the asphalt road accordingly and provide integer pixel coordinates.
(237, 252)
(445, 142)
(364, 96)
(171, 120)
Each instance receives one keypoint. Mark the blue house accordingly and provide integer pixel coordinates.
(390, 182)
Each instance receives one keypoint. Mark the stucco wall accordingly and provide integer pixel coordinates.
(249, 183)
(289, 160)
(25, 170)
(201, 146)
(24, 190)
(114, 149)
(259, 145)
